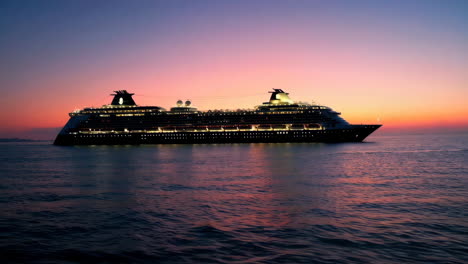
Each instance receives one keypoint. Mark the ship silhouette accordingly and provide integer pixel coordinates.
(278, 120)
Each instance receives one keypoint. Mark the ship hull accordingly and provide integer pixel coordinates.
(354, 133)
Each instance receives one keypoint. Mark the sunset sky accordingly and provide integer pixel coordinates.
(400, 63)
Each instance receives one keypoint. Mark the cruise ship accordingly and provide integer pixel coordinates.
(279, 120)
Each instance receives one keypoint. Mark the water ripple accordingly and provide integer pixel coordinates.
(396, 200)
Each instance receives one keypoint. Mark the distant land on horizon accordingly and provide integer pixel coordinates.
(31, 134)
(18, 140)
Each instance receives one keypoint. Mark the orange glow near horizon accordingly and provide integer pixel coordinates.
(357, 104)
(394, 108)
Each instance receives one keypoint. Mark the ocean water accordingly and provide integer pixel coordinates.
(391, 199)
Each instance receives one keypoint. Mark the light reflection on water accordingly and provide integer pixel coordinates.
(395, 199)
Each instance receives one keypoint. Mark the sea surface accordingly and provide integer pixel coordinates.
(392, 199)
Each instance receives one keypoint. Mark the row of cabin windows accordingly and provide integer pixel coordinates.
(216, 135)
(220, 134)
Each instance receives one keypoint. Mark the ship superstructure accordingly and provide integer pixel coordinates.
(278, 120)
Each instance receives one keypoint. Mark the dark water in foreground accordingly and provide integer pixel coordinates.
(394, 199)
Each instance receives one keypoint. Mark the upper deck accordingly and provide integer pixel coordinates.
(279, 104)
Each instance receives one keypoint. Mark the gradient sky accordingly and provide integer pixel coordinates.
(400, 63)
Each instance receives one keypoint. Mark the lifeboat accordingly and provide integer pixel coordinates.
(297, 127)
(186, 129)
(313, 126)
(278, 127)
(264, 127)
(230, 128)
(168, 129)
(215, 128)
(245, 127)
